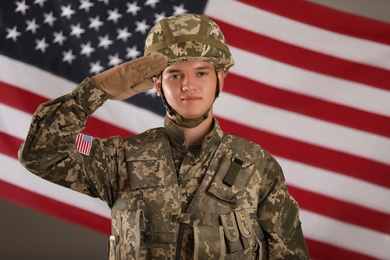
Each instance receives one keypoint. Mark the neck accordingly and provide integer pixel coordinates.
(197, 134)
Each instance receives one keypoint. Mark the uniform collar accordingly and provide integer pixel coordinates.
(179, 141)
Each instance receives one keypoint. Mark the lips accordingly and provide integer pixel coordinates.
(191, 98)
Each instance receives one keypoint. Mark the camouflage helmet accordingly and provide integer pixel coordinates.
(187, 37)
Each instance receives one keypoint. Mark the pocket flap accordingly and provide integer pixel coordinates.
(230, 227)
(227, 191)
(244, 223)
(144, 170)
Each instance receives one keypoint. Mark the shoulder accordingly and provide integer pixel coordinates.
(153, 140)
(149, 135)
(242, 145)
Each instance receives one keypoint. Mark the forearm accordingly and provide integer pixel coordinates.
(49, 150)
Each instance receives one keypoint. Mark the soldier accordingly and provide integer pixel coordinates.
(182, 191)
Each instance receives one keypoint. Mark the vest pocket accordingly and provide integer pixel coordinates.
(208, 242)
(128, 245)
(243, 239)
(232, 234)
(238, 231)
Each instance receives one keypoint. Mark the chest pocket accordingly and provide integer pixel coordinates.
(145, 170)
(232, 176)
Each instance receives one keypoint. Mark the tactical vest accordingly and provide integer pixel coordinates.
(147, 222)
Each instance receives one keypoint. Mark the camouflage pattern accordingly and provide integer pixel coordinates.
(167, 202)
(188, 37)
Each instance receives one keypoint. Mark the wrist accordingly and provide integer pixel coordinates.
(89, 95)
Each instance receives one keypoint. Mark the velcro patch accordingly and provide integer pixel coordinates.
(84, 143)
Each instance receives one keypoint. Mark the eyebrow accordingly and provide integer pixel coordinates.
(206, 67)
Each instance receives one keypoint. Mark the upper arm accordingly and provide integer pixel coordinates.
(278, 215)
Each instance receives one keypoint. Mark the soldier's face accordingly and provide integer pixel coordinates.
(189, 87)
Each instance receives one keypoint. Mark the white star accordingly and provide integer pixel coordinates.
(114, 60)
(159, 17)
(133, 8)
(95, 23)
(49, 18)
(123, 34)
(132, 53)
(179, 9)
(76, 30)
(13, 33)
(85, 4)
(67, 11)
(114, 15)
(141, 26)
(41, 45)
(152, 3)
(87, 49)
(40, 2)
(151, 92)
(95, 67)
(21, 7)
(104, 42)
(32, 26)
(59, 38)
(68, 56)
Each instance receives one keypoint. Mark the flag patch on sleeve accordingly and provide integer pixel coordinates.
(84, 143)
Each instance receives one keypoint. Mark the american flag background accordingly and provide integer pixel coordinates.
(310, 84)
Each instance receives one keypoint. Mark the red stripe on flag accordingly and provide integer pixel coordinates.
(320, 109)
(304, 58)
(327, 18)
(346, 212)
(320, 250)
(54, 208)
(357, 167)
(30, 102)
(19, 98)
(9, 145)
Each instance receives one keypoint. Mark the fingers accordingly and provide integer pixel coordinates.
(143, 86)
(160, 63)
(152, 65)
(118, 82)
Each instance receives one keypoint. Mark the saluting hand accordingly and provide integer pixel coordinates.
(132, 77)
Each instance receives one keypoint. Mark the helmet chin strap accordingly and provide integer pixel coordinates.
(184, 121)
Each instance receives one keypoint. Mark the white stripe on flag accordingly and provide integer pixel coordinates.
(19, 176)
(291, 78)
(303, 128)
(300, 34)
(345, 235)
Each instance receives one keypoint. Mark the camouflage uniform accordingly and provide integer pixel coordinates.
(226, 199)
(158, 190)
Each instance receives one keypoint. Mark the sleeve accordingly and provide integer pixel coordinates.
(278, 215)
(50, 151)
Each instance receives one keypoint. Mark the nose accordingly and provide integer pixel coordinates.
(188, 84)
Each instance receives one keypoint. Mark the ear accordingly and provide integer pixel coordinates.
(221, 79)
(157, 84)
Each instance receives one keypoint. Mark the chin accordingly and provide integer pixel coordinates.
(192, 115)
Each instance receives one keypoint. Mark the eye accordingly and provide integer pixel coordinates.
(202, 73)
(175, 76)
